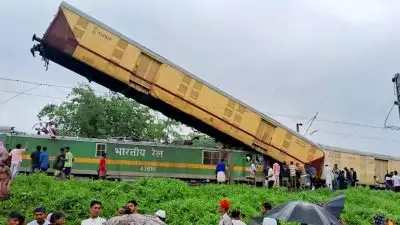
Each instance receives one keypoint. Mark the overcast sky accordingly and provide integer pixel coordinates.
(287, 58)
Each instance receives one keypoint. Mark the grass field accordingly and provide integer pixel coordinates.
(183, 204)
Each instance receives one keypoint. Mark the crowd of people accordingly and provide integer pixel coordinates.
(392, 182)
(42, 217)
(296, 176)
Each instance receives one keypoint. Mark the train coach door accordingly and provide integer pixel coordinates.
(381, 168)
(231, 162)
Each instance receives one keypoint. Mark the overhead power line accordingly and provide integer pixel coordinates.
(23, 93)
(7, 100)
(347, 123)
(36, 83)
(42, 84)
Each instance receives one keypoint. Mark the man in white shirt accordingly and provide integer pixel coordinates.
(236, 216)
(396, 181)
(95, 210)
(40, 217)
(252, 169)
(328, 177)
(271, 177)
(265, 208)
(16, 159)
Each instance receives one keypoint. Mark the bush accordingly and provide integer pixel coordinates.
(184, 205)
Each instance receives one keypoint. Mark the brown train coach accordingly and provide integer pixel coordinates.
(366, 164)
(92, 49)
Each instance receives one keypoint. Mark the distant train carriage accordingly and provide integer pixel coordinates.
(127, 160)
(367, 165)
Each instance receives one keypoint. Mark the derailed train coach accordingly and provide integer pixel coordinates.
(94, 50)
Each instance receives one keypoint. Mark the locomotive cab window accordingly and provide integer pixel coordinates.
(211, 157)
(100, 149)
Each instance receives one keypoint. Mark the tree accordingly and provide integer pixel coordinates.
(85, 114)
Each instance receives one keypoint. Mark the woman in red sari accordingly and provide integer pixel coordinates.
(102, 167)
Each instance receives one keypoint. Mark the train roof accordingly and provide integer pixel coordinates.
(114, 141)
(166, 61)
(346, 150)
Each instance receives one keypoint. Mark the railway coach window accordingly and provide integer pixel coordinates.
(211, 157)
(100, 149)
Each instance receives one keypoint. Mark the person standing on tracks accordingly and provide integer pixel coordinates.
(16, 159)
(292, 175)
(271, 177)
(354, 177)
(220, 171)
(69, 159)
(336, 173)
(349, 176)
(44, 160)
(277, 171)
(328, 177)
(396, 181)
(35, 158)
(58, 164)
(253, 173)
(285, 174)
(102, 167)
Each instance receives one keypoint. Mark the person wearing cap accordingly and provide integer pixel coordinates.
(223, 209)
(236, 217)
(15, 218)
(95, 210)
(161, 215)
(40, 217)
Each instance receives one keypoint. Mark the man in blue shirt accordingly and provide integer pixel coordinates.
(220, 171)
(44, 160)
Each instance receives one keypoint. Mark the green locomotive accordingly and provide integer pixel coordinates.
(127, 160)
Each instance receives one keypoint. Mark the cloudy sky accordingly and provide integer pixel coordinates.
(289, 59)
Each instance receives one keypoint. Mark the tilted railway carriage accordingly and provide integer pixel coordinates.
(96, 51)
(127, 160)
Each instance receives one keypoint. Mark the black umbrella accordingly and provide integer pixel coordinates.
(335, 206)
(303, 212)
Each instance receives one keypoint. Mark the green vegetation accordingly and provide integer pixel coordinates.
(184, 205)
(86, 114)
